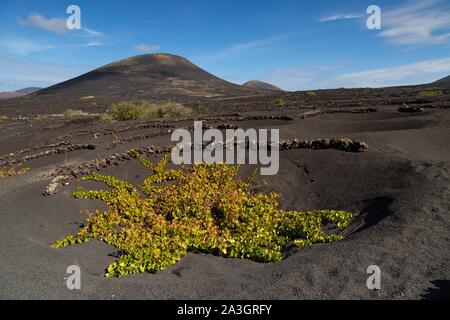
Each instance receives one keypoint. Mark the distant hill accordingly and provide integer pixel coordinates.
(17, 93)
(260, 85)
(152, 76)
(444, 81)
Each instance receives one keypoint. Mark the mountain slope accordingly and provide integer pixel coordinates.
(444, 81)
(17, 93)
(260, 85)
(155, 76)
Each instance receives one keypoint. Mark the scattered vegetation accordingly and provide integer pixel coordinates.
(168, 110)
(3, 117)
(202, 208)
(279, 102)
(106, 118)
(70, 113)
(311, 93)
(409, 109)
(12, 171)
(126, 110)
(430, 93)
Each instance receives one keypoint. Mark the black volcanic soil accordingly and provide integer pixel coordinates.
(399, 188)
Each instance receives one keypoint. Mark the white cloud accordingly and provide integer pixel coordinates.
(54, 25)
(83, 45)
(417, 23)
(147, 47)
(414, 73)
(290, 78)
(93, 44)
(92, 33)
(327, 77)
(17, 73)
(21, 46)
(239, 48)
(340, 16)
(300, 78)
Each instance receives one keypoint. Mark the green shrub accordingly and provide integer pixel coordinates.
(279, 102)
(202, 208)
(166, 110)
(70, 113)
(430, 93)
(3, 117)
(106, 118)
(126, 110)
(311, 94)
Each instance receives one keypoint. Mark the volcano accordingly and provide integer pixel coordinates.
(154, 76)
(151, 77)
(443, 82)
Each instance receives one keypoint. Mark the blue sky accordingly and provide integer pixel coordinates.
(297, 45)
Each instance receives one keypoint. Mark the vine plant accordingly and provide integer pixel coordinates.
(201, 208)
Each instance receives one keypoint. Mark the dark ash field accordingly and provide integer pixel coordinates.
(399, 187)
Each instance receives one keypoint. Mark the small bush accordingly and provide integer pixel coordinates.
(70, 113)
(3, 117)
(430, 93)
(126, 110)
(202, 208)
(279, 102)
(106, 118)
(311, 94)
(166, 110)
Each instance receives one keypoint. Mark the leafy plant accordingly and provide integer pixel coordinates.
(202, 208)
(279, 102)
(3, 117)
(311, 93)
